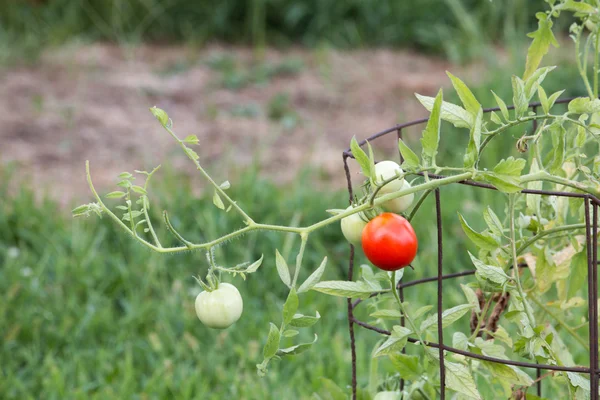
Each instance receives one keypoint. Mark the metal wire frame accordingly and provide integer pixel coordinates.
(591, 240)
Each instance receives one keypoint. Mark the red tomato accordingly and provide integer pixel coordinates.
(389, 242)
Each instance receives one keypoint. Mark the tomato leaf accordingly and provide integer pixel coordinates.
(115, 195)
(282, 268)
(492, 221)
(386, 314)
(542, 39)
(411, 160)
(459, 379)
(578, 273)
(456, 115)
(583, 105)
(519, 97)
(290, 306)
(191, 139)
(362, 159)
(304, 321)
(409, 367)
(344, 289)
(431, 134)
(490, 273)
(502, 106)
(160, 115)
(472, 152)
(464, 93)
(297, 349)
(395, 343)
(272, 344)
(508, 373)
(544, 100)
(559, 137)
(217, 201)
(504, 183)
(510, 166)
(314, 278)
(534, 81)
(480, 240)
(449, 316)
(576, 6)
(471, 297)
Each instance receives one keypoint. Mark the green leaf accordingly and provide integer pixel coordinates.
(225, 185)
(395, 343)
(504, 183)
(495, 118)
(160, 115)
(510, 167)
(344, 289)
(508, 373)
(559, 136)
(459, 379)
(533, 200)
(542, 39)
(576, 6)
(362, 159)
(192, 154)
(421, 311)
(583, 105)
(456, 115)
(282, 269)
(217, 201)
(553, 98)
(466, 96)
(471, 297)
(254, 266)
(449, 316)
(330, 391)
(492, 221)
(409, 367)
(81, 210)
(410, 158)
(115, 195)
(272, 344)
(124, 175)
(502, 106)
(124, 183)
(535, 80)
(519, 96)
(290, 333)
(297, 349)
(460, 341)
(290, 306)
(138, 189)
(304, 321)
(191, 139)
(578, 273)
(472, 153)
(431, 134)
(544, 100)
(480, 240)
(386, 314)
(489, 272)
(314, 278)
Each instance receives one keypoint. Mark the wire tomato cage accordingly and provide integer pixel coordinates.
(591, 242)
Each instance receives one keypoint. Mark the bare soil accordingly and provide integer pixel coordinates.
(91, 103)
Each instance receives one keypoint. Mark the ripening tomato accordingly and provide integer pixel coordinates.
(352, 227)
(221, 307)
(385, 170)
(389, 242)
(400, 204)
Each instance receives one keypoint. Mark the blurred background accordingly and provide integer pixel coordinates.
(275, 90)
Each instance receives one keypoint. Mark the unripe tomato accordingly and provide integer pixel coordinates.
(387, 395)
(400, 204)
(385, 170)
(220, 308)
(352, 227)
(389, 242)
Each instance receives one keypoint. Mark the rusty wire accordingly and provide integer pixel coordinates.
(591, 235)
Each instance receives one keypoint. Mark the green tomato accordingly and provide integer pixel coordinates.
(221, 307)
(385, 170)
(387, 395)
(400, 204)
(352, 228)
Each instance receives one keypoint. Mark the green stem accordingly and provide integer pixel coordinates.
(483, 314)
(146, 205)
(580, 67)
(418, 204)
(496, 132)
(560, 322)
(596, 49)
(513, 245)
(545, 176)
(542, 234)
(304, 238)
(403, 309)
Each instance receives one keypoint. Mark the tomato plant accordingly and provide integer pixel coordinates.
(221, 307)
(389, 242)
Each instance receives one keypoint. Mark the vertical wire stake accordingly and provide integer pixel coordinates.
(438, 211)
(538, 371)
(592, 304)
(350, 276)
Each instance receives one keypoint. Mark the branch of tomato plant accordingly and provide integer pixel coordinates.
(146, 206)
(545, 176)
(304, 239)
(492, 134)
(481, 318)
(596, 49)
(561, 322)
(582, 68)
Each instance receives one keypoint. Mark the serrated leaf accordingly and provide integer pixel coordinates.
(459, 379)
(282, 268)
(297, 349)
(510, 166)
(553, 98)
(480, 240)
(489, 272)
(519, 96)
(472, 152)
(217, 201)
(431, 134)
(542, 39)
(139, 189)
(395, 343)
(471, 297)
(409, 367)
(533, 82)
(583, 105)
(449, 316)
(192, 154)
(577, 273)
(464, 93)
(576, 6)
(344, 289)
(314, 278)
(362, 159)
(460, 341)
(191, 139)
(502, 105)
(272, 344)
(559, 136)
(504, 183)
(456, 115)
(544, 100)
(160, 115)
(304, 321)
(492, 221)
(290, 306)
(508, 373)
(410, 158)
(386, 314)
(115, 195)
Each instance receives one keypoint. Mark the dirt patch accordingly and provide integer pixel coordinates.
(91, 103)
